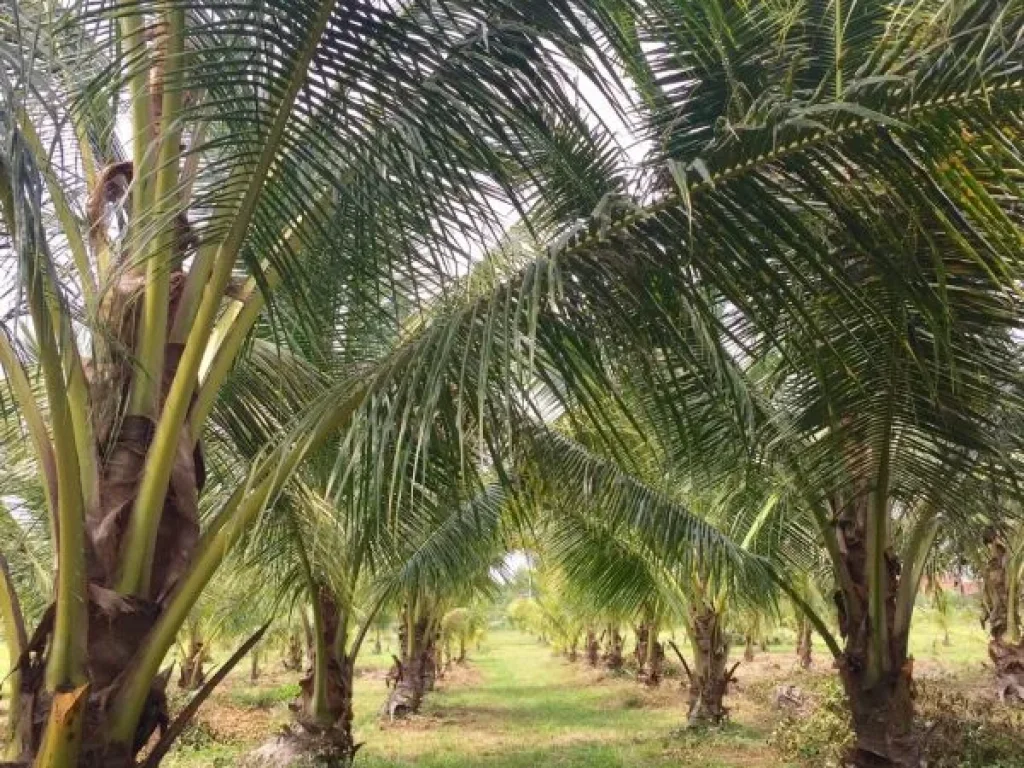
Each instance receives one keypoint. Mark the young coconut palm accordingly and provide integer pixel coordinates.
(348, 556)
(464, 626)
(448, 559)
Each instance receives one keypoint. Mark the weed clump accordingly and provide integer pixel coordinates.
(819, 737)
(955, 730)
(965, 732)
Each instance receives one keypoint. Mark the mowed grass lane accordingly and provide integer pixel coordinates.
(518, 706)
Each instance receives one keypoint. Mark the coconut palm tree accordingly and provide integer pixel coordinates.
(448, 559)
(463, 625)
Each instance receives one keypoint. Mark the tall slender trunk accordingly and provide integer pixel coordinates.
(709, 679)
(376, 642)
(1001, 612)
(748, 650)
(462, 649)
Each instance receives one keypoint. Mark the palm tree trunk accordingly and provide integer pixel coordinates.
(324, 707)
(883, 718)
(462, 650)
(1005, 648)
(613, 656)
(117, 617)
(593, 648)
(878, 679)
(710, 678)
(804, 643)
(254, 665)
(748, 651)
(416, 639)
(432, 662)
(192, 674)
(640, 650)
(293, 653)
(655, 661)
(118, 622)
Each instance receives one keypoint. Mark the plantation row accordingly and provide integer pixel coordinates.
(335, 308)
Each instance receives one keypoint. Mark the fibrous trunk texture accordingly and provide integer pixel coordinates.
(292, 661)
(709, 679)
(328, 735)
(416, 668)
(883, 718)
(649, 654)
(1007, 656)
(432, 665)
(117, 624)
(882, 702)
(804, 643)
(640, 650)
(655, 665)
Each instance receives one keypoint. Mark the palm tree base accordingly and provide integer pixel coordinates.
(1008, 659)
(325, 748)
(883, 719)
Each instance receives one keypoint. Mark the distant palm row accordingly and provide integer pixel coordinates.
(349, 298)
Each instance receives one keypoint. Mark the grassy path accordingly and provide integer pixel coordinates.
(517, 706)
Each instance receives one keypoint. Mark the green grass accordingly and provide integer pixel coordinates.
(260, 697)
(530, 708)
